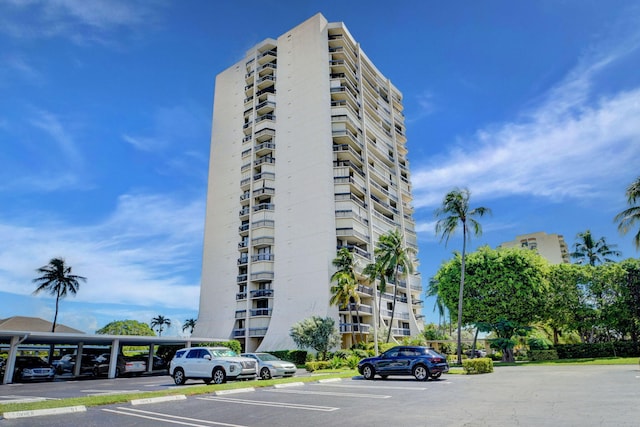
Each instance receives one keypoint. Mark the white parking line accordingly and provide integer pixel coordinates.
(158, 416)
(328, 393)
(370, 387)
(272, 404)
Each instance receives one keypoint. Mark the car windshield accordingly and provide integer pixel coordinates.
(226, 352)
(266, 356)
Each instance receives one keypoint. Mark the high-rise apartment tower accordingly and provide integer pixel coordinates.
(308, 156)
(552, 247)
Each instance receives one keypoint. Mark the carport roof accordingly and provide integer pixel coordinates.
(31, 337)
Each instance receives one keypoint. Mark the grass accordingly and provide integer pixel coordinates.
(188, 390)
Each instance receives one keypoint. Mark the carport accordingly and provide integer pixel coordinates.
(15, 339)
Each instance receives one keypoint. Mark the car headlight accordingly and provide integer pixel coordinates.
(27, 371)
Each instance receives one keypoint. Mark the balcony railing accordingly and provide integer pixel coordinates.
(238, 332)
(263, 257)
(402, 332)
(241, 296)
(240, 314)
(354, 327)
(260, 312)
(257, 332)
(262, 293)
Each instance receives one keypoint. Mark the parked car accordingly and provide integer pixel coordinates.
(211, 364)
(32, 368)
(67, 363)
(270, 366)
(124, 366)
(421, 362)
(158, 362)
(478, 353)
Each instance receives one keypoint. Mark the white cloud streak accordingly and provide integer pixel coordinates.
(146, 253)
(571, 146)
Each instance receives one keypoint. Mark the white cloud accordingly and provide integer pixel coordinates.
(573, 145)
(146, 253)
(78, 20)
(54, 127)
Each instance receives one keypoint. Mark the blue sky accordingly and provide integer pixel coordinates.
(105, 120)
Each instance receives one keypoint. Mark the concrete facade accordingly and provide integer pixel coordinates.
(552, 247)
(308, 156)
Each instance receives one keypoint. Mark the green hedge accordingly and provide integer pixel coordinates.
(315, 366)
(588, 351)
(535, 355)
(482, 365)
(298, 357)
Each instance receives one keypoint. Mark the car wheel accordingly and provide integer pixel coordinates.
(265, 373)
(368, 372)
(421, 372)
(218, 376)
(178, 377)
(436, 375)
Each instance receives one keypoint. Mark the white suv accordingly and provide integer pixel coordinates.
(211, 364)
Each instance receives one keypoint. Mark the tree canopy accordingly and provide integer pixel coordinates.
(502, 287)
(126, 327)
(317, 333)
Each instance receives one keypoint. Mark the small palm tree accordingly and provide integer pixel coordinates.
(630, 216)
(344, 293)
(454, 211)
(392, 256)
(189, 324)
(589, 251)
(160, 321)
(56, 278)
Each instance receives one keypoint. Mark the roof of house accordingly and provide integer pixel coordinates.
(33, 324)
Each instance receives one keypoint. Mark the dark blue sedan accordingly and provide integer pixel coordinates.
(421, 362)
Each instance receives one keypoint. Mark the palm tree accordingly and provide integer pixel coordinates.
(189, 324)
(589, 251)
(454, 211)
(160, 321)
(392, 256)
(56, 278)
(344, 293)
(373, 272)
(628, 217)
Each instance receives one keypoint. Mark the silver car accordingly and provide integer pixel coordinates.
(270, 366)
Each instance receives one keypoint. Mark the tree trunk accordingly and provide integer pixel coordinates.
(393, 307)
(473, 347)
(461, 293)
(55, 316)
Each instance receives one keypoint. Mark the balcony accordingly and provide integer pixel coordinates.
(354, 327)
(241, 314)
(257, 332)
(238, 333)
(241, 296)
(263, 276)
(261, 293)
(241, 278)
(243, 260)
(264, 207)
(264, 134)
(265, 159)
(401, 332)
(355, 249)
(262, 241)
(260, 312)
(263, 257)
(360, 308)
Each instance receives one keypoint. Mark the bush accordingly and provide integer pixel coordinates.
(315, 366)
(589, 351)
(482, 365)
(297, 357)
(535, 355)
(336, 362)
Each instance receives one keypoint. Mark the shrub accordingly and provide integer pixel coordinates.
(535, 355)
(588, 351)
(336, 362)
(482, 365)
(352, 361)
(342, 354)
(315, 366)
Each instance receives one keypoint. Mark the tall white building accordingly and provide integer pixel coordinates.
(552, 247)
(308, 155)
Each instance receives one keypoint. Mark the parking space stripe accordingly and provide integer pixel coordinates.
(158, 416)
(328, 393)
(370, 387)
(273, 404)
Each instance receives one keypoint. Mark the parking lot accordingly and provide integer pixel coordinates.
(522, 395)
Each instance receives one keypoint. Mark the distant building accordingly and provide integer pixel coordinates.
(552, 247)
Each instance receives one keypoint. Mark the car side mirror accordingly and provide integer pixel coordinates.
(207, 357)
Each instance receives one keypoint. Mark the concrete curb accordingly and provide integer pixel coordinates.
(285, 385)
(238, 390)
(41, 412)
(161, 399)
(330, 380)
